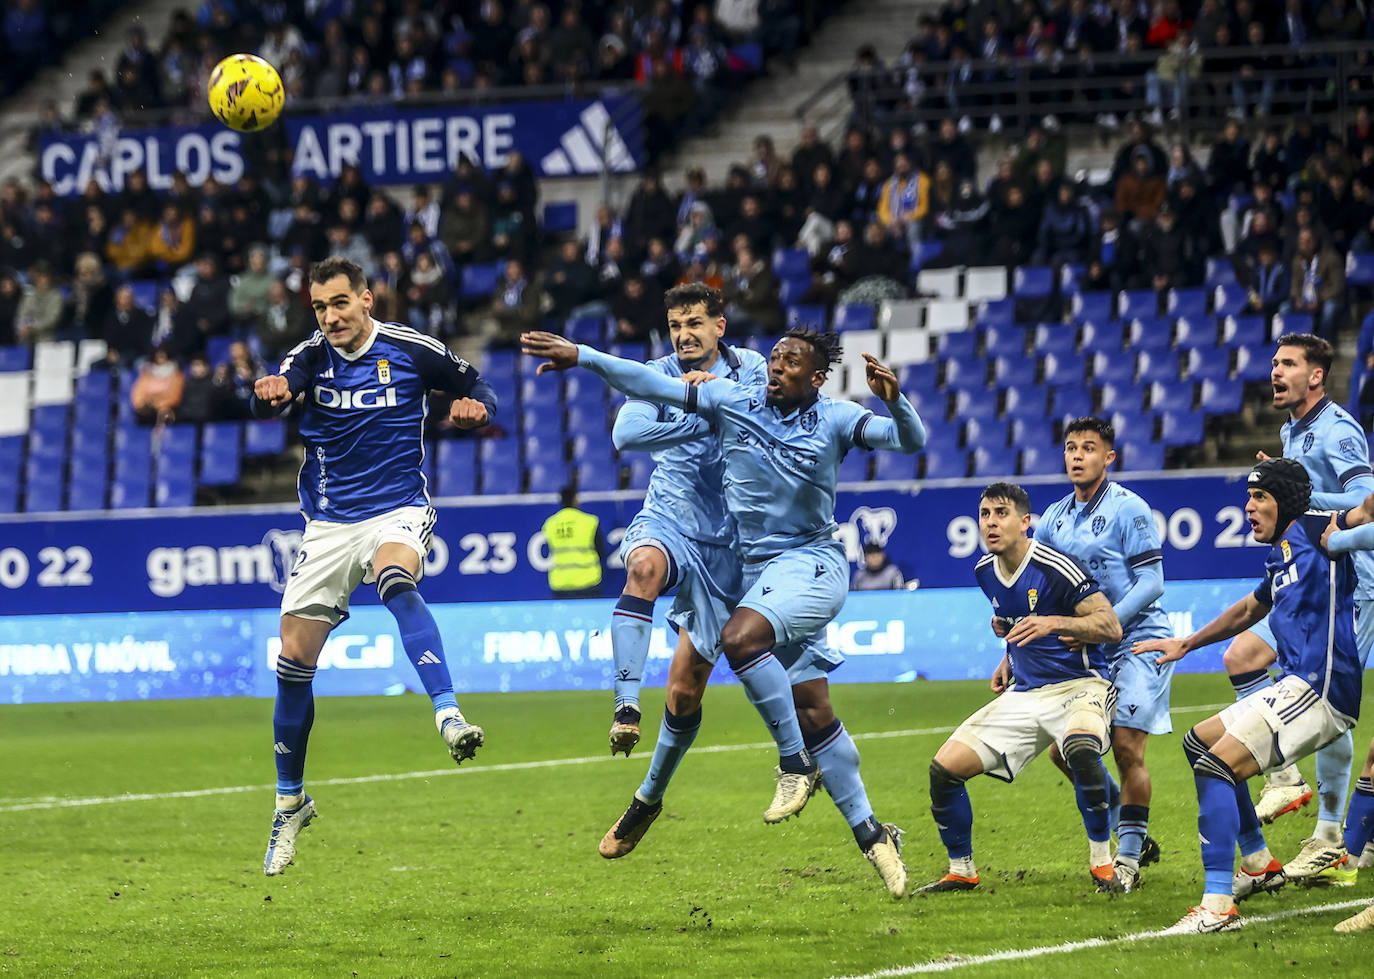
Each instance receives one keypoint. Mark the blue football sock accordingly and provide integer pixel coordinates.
(769, 690)
(631, 628)
(1082, 752)
(1359, 821)
(1218, 822)
(949, 804)
(1249, 835)
(292, 717)
(1247, 683)
(675, 736)
(838, 756)
(1114, 802)
(419, 633)
(1130, 832)
(1334, 763)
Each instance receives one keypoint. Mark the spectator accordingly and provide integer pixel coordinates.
(1228, 166)
(303, 233)
(1165, 253)
(1168, 83)
(883, 258)
(835, 267)
(207, 307)
(516, 306)
(569, 280)
(699, 224)
(91, 296)
(126, 329)
(285, 322)
(1140, 192)
(1139, 139)
(512, 233)
(614, 267)
(649, 214)
(173, 241)
(1253, 85)
(903, 201)
(1118, 251)
(1271, 161)
(424, 210)
(962, 227)
(234, 380)
(40, 311)
(1268, 286)
(199, 401)
(826, 204)
(754, 225)
(1317, 284)
(382, 224)
(635, 310)
(427, 297)
(809, 154)
(1339, 211)
(465, 228)
(1182, 166)
(339, 240)
(1012, 229)
(249, 295)
(751, 295)
(660, 267)
(1065, 231)
(866, 193)
(128, 244)
(878, 573)
(11, 294)
(1341, 20)
(1197, 219)
(157, 391)
(953, 148)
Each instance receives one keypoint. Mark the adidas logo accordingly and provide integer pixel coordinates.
(582, 147)
(428, 659)
(281, 748)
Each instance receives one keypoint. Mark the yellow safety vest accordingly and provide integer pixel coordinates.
(572, 543)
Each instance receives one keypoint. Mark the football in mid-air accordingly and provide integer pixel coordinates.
(245, 93)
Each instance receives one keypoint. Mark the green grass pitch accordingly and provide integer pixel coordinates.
(492, 869)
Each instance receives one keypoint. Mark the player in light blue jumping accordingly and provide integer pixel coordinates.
(363, 387)
(1112, 532)
(683, 537)
(1307, 595)
(782, 444)
(1335, 452)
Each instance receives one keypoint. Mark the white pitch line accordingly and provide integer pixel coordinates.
(48, 804)
(1015, 955)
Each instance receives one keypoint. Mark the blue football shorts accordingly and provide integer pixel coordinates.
(1142, 688)
(799, 592)
(707, 578)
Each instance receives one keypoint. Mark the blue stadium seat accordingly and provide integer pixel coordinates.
(984, 431)
(1189, 303)
(1150, 333)
(590, 330)
(129, 490)
(1159, 366)
(961, 345)
(15, 359)
(1064, 369)
(925, 252)
(945, 464)
(1291, 323)
(174, 485)
(808, 316)
(996, 311)
(176, 442)
(43, 487)
(1030, 403)
(791, 290)
(1220, 272)
(1114, 367)
(479, 280)
(891, 466)
(1133, 425)
(560, 217)
(90, 448)
(1203, 365)
(791, 263)
(1198, 333)
(1255, 363)
(146, 292)
(94, 386)
(1180, 428)
(542, 392)
(1060, 339)
(266, 437)
(1041, 460)
(1222, 397)
(1097, 307)
(1141, 455)
(1122, 396)
(596, 476)
(1244, 331)
(963, 375)
(1014, 371)
(854, 316)
(1137, 302)
(942, 436)
(854, 467)
(543, 444)
(547, 476)
(1229, 299)
(988, 463)
(49, 420)
(1175, 396)
(455, 467)
(1072, 400)
(1007, 340)
(217, 349)
(498, 363)
(918, 377)
(1359, 269)
(1103, 336)
(588, 416)
(1032, 282)
(1069, 275)
(221, 453)
(499, 474)
(89, 488)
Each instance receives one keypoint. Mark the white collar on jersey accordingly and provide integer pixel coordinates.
(1015, 575)
(371, 339)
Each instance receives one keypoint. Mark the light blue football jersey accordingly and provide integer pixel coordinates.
(685, 488)
(362, 418)
(1113, 535)
(1335, 452)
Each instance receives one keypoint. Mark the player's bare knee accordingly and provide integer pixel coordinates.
(1247, 653)
(683, 696)
(646, 573)
(815, 718)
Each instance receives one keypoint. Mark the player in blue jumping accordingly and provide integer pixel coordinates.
(1307, 595)
(1334, 450)
(782, 443)
(683, 537)
(1111, 531)
(1053, 688)
(363, 389)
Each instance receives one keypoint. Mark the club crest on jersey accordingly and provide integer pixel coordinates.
(809, 420)
(383, 371)
(1099, 524)
(1286, 550)
(1032, 596)
(1307, 441)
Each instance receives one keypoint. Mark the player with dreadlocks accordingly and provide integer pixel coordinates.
(1308, 594)
(781, 444)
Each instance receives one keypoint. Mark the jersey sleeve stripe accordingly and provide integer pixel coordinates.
(691, 405)
(1145, 557)
(1354, 473)
(859, 427)
(414, 336)
(1064, 565)
(313, 341)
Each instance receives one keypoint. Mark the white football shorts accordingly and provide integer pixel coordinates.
(1280, 724)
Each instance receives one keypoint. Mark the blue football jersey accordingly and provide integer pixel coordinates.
(1113, 535)
(1312, 613)
(1048, 582)
(686, 486)
(1335, 452)
(362, 418)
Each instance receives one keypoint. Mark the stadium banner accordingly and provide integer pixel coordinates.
(493, 549)
(566, 138)
(892, 636)
(412, 145)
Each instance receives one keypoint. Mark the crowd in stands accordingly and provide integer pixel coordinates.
(33, 35)
(1068, 51)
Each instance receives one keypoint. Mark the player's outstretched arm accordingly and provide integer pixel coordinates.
(638, 429)
(271, 396)
(1232, 622)
(634, 379)
(904, 431)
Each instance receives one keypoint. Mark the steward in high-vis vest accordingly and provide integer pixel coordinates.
(576, 546)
